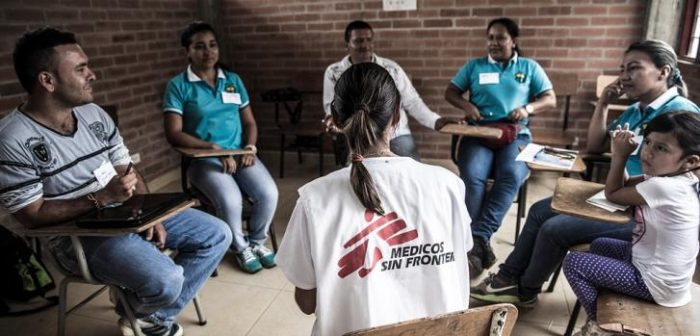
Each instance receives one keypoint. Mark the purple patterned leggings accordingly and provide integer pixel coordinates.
(608, 265)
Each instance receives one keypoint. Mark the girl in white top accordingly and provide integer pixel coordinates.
(658, 264)
(384, 240)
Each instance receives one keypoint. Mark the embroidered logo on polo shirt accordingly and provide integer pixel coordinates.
(520, 77)
(39, 149)
(98, 129)
(230, 88)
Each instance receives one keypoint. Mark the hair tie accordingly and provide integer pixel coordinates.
(363, 107)
(356, 158)
(676, 75)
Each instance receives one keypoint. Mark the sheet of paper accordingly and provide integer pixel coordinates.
(547, 156)
(600, 201)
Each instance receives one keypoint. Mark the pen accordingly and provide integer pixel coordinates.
(129, 168)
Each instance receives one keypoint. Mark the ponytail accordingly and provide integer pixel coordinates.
(365, 101)
(676, 79)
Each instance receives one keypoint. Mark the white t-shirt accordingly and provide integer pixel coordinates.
(371, 270)
(666, 237)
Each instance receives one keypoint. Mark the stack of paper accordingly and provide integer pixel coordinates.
(548, 156)
(600, 201)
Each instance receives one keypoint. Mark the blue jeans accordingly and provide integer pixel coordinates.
(476, 164)
(545, 240)
(226, 193)
(404, 145)
(158, 286)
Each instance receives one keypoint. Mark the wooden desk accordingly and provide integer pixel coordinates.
(472, 131)
(570, 197)
(201, 153)
(70, 229)
(579, 167)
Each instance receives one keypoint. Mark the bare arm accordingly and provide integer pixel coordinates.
(306, 300)
(545, 100)
(453, 95)
(597, 128)
(250, 128)
(617, 190)
(42, 212)
(177, 137)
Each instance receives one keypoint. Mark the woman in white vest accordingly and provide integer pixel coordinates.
(385, 239)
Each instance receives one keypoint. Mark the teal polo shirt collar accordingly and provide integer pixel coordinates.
(512, 60)
(661, 100)
(192, 77)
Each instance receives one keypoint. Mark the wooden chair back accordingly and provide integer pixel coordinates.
(473, 322)
(565, 85)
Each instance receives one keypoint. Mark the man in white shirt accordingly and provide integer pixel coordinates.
(359, 37)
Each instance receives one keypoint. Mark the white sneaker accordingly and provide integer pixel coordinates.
(149, 328)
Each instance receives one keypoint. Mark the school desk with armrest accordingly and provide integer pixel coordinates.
(69, 229)
(188, 154)
(570, 197)
(492, 320)
(458, 131)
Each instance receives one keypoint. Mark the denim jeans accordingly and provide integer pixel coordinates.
(402, 145)
(226, 193)
(158, 286)
(476, 164)
(545, 240)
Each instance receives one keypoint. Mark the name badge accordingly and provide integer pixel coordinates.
(231, 98)
(489, 78)
(104, 173)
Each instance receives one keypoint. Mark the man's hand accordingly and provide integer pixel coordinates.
(119, 189)
(247, 160)
(157, 235)
(329, 125)
(623, 142)
(229, 164)
(518, 114)
(440, 123)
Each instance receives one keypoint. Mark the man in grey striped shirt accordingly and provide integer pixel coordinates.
(61, 156)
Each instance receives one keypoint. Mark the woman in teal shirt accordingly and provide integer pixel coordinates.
(207, 107)
(503, 87)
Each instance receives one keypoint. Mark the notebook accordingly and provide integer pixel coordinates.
(135, 212)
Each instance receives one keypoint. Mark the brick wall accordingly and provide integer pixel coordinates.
(274, 44)
(133, 46)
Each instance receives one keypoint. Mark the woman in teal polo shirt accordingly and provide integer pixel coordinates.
(207, 107)
(503, 87)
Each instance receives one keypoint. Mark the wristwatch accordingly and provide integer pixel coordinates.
(251, 147)
(529, 108)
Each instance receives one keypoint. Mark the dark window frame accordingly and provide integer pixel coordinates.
(689, 22)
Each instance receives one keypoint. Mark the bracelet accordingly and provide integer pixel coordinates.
(251, 147)
(98, 205)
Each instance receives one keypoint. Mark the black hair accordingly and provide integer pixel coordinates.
(195, 28)
(683, 125)
(511, 27)
(356, 25)
(34, 52)
(662, 54)
(365, 102)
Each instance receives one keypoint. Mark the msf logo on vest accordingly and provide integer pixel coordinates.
(364, 255)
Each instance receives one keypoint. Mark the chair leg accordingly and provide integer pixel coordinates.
(62, 301)
(128, 311)
(299, 158)
(522, 200)
(273, 237)
(200, 313)
(320, 155)
(553, 280)
(282, 155)
(572, 319)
